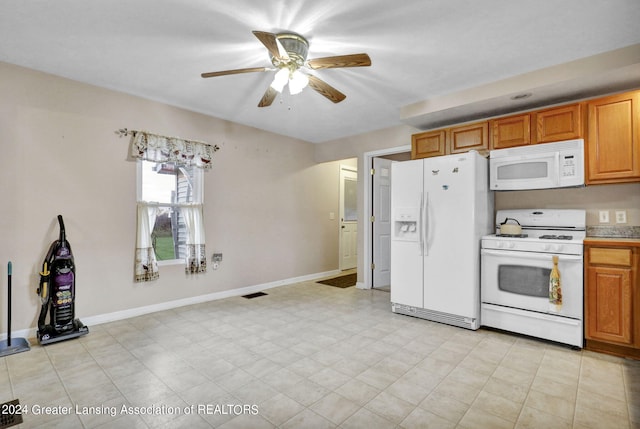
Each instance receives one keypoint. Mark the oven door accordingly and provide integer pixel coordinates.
(521, 280)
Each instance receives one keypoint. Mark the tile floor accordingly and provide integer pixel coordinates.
(314, 356)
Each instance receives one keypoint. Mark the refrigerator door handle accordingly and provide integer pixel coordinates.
(421, 224)
(424, 220)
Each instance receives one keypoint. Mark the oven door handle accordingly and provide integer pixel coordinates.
(530, 255)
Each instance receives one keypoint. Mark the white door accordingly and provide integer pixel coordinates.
(348, 218)
(381, 222)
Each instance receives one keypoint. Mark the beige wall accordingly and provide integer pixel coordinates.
(267, 200)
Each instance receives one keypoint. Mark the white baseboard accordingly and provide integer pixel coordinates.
(140, 311)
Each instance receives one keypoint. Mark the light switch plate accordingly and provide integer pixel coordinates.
(604, 216)
(621, 216)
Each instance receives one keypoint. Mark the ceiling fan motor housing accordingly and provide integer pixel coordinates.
(296, 47)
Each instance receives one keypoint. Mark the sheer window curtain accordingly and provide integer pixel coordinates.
(146, 266)
(159, 148)
(196, 258)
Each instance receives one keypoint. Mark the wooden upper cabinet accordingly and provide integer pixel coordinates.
(613, 144)
(511, 131)
(559, 123)
(427, 144)
(469, 137)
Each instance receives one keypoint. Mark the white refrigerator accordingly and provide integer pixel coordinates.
(440, 209)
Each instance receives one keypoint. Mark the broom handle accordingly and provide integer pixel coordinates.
(9, 306)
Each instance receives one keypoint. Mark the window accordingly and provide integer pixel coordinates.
(169, 188)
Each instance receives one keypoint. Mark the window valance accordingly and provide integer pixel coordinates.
(158, 148)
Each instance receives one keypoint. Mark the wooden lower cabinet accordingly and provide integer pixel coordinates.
(609, 308)
(612, 296)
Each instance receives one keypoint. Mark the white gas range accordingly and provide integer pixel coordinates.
(516, 270)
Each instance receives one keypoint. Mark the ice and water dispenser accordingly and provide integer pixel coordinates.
(406, 226)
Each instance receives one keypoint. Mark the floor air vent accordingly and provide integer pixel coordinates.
(10, 414)
(250, 296)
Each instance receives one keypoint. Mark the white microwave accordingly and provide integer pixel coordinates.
(538, 166)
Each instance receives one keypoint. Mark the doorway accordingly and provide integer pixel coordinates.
(348, 218)
(376, 243)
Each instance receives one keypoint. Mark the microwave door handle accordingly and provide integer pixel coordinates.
(557, 168)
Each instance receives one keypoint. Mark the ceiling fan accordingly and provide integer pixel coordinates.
(288, 53)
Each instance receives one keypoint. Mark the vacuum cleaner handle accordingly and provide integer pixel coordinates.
(63, 237)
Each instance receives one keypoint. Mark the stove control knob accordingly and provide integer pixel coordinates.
(557, 247)
(547, 247)
(499, 244)
(512, 245)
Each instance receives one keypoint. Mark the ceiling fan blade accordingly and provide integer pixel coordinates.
(237, 71)
(325, 89)
(268, 97)
(273, 45)
(353, 60)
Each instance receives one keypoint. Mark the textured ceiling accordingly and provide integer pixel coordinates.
(420, 51)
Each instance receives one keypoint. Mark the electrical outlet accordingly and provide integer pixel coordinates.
(604, 216)
(621, 216)
(216, 257)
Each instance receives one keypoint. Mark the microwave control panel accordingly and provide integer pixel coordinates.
(568, 166)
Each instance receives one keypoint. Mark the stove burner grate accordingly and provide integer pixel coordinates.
(556, 237)
(513, 235)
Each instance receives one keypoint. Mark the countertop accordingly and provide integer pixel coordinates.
(613, 235)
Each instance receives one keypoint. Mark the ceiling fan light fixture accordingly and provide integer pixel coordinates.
(280, 79)
(297, 82)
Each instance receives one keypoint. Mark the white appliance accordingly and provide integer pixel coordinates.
(516, 270)
(538, 166)
(440, 207)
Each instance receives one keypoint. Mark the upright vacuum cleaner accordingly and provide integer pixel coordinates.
(57, 293)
